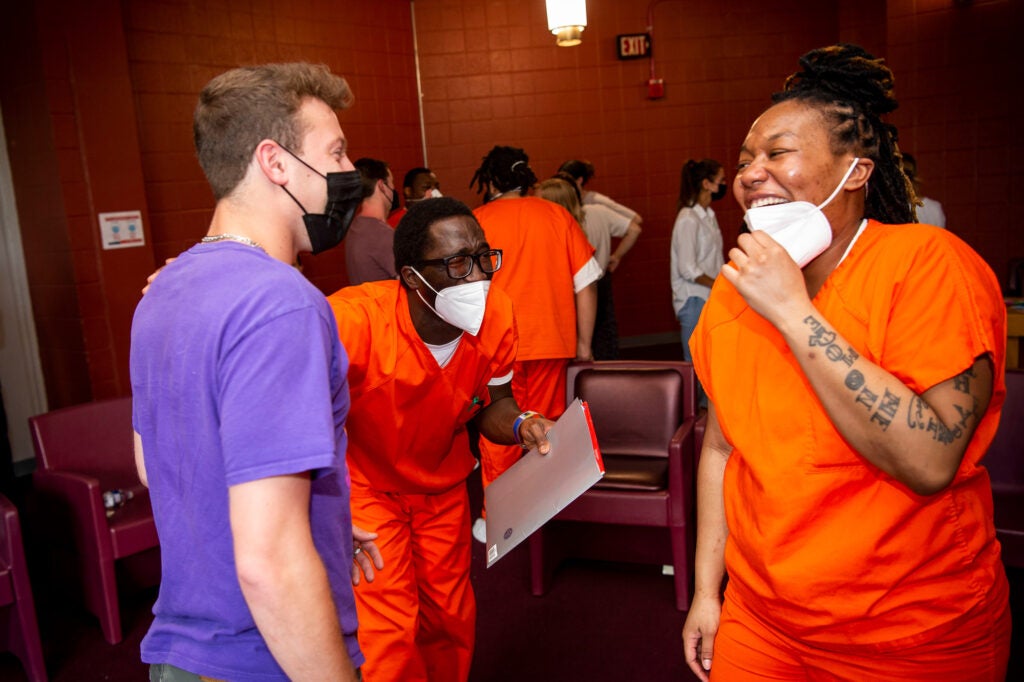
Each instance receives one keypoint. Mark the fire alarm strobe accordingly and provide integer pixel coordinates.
(655, 88)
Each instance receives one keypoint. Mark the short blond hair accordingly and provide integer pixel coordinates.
(240, 108)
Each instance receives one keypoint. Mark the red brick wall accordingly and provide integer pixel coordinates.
(958, 80)
(98, 118)
(174, 49)
(97, 100)
(492, 74)
(74, 154)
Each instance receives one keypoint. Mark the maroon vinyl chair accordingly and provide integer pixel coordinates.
(81, 452)
(1005, 463)
(644, 415)
(19, 630)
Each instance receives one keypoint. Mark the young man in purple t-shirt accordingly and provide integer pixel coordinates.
(240, 398)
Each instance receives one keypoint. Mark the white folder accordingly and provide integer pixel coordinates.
(538, 486)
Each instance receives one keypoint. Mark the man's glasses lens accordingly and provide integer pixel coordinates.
(461, 266)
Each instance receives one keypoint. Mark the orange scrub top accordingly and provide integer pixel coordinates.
(543, 249)
(822, 543)
(396, 216)
(406, 427)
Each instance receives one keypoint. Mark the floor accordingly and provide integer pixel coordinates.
(598, 622)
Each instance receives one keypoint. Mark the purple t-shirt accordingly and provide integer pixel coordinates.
(237, 375)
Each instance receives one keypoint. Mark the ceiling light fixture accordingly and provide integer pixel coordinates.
(566, 20)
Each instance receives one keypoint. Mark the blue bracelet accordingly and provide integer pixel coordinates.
(529, 414)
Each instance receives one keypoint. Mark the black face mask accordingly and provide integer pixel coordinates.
(344, 195)
(720, 192)
(394, 199)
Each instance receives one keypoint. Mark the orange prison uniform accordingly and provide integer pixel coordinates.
(824, 549)
(409, 455)
(543, 250)
(395, 216)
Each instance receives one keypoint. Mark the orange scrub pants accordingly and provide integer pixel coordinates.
(537, 385)
(417, 618)
(976, 648)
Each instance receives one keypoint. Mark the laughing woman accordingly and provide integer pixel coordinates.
(854, 365)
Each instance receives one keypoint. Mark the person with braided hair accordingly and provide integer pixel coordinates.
(551, 276)
(854, 365)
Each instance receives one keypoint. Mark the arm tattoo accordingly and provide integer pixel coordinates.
(920, 417)
(962, 382)
(823, 337)
(883, 409)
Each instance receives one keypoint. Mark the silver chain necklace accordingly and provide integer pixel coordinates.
(234, 238)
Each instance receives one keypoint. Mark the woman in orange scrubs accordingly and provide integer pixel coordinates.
(854, 364)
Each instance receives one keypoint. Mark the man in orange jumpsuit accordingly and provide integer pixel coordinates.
(551, 278)
(427, 353)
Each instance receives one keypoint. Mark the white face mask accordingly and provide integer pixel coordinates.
(434, 193)
(798, 226)
(462, 305)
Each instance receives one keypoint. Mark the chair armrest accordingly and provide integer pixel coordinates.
(83, 499)
(680, 470)
(8, 531)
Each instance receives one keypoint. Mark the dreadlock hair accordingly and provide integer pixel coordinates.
(692, 177)
(412, 236)
(504, 169)
(853, 89)
(578, 170)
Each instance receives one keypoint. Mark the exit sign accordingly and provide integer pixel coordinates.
(634, 45)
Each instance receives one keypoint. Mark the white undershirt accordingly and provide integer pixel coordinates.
(443, 355)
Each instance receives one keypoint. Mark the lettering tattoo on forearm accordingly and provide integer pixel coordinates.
(825, 338)
(883, 408)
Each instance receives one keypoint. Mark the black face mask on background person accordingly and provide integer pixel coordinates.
(344, 195)
(720, 192)
(394, 199)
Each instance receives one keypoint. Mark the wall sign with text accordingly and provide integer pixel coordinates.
(121, 230)
(633, 45)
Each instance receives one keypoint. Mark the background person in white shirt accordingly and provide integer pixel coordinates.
(581, 172)
(696, 255)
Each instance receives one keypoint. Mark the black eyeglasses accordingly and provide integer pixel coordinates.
(461, 266)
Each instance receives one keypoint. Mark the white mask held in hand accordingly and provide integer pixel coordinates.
(462, 305)
(798, 226)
